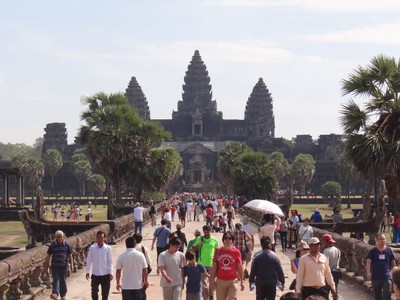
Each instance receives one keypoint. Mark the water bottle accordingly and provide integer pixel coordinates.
(252, 287)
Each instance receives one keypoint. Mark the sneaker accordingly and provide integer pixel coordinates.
(54, 296)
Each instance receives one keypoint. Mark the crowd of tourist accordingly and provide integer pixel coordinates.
(206, 268)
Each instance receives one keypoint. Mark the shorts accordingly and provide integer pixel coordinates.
(227, 288)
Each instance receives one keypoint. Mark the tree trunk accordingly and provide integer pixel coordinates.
(52, 185)
(380, 211)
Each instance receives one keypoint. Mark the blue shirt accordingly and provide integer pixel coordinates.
(162, 233)
(380, 263)
(59, 253)
(193, 283)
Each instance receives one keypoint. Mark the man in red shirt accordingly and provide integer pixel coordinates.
(227, 270)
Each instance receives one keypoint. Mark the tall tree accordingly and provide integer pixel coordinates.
(164, 167)
(373, 129)
(228, 159)
(32, 169)
(53, 163)
(283, 174)
(303, 169)
(96, 184)
(82, 171)
(254, 176)
(114, 134)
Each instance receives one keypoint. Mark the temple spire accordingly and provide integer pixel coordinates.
(137, 99)
(259, 116)
(197, 90)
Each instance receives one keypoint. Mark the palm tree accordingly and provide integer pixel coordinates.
(115, 134)
(53, 163)
(303, 169)
(373, 130)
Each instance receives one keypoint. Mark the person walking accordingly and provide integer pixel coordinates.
(133, 266)
(227, 270)
(100, 256)
(171, 263)
(138, 216)
(313, 273)
(306, 232)
(333, 255)
(396, 281)
(380, 260)
(206, 246)
(268, 229)
(161, 235)
(138, 237)
(293, 221)
(283, 232)
(266, 282)
(193, 271)
(240, 241)
(60, 253)
(181, 235)
(251, 230)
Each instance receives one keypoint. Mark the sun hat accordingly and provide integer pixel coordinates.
(302, 245)
(313, 241)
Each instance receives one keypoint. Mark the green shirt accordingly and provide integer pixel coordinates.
(206, 252)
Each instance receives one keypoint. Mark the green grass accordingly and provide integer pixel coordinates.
(306, 210)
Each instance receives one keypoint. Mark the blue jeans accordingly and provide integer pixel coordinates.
(138, 225)
(193, 296)
(382, 289)
(59, 280)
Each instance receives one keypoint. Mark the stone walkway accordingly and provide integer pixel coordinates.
(79, 287)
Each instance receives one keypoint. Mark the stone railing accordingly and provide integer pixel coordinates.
(22, 274)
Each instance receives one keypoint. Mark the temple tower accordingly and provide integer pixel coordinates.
(137, 99)
(259, 116)
(55, 137)
(197, 117)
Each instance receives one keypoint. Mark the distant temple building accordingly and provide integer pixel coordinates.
(199, 131)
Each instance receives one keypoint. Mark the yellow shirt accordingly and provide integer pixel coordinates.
(313, 272)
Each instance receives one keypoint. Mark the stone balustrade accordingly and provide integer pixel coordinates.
(22, 276)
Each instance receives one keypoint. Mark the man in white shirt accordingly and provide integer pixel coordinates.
(306, 232)
(100, 256)
(313, 274)
(138, 216)
(134, 267)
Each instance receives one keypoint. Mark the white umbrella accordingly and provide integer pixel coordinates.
(264, 206)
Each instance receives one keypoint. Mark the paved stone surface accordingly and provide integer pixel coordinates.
(79, 287)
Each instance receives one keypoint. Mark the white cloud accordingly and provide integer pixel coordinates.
(353, 6)
(386, 34)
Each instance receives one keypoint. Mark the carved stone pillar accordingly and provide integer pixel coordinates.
(3, 288)
(46, 279)
(35, 279)
(25, 284)
(14, 292)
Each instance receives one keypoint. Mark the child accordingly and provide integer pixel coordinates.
(193, 270)
(216, 224)
(222, 222)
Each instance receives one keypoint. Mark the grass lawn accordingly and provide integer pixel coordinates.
(306, 210)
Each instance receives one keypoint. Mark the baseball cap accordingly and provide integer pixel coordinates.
(313, 240)
(328, 238)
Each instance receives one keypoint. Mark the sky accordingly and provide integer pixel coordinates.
(54, 52)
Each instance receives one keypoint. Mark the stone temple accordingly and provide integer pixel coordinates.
(199, 133)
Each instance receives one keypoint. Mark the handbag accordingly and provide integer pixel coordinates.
(292, 286)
